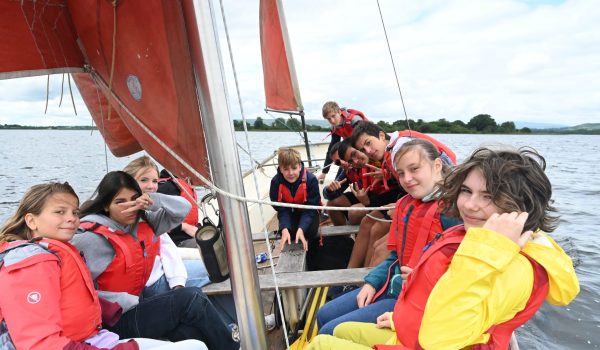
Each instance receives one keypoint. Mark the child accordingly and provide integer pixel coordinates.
(477, 283)
(415, 222)
(63, 310)
(118, 236)
(294, 184)
(342, 122)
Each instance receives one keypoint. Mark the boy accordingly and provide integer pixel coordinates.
(342, 122)
(294, 184)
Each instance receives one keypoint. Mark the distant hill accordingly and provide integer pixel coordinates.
(519, 124)
(588, 128)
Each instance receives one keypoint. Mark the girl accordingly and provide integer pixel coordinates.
(414, 223)
(51, 302)
(477, 283)
(169, 270)
(118, 235)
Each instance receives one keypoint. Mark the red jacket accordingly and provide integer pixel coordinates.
(345, 129)
(409, 309)
(134, 259)
(301, 196)
(187, 192)
(51, 302)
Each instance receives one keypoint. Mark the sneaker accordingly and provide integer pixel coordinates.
(235, 332)
(270, 322)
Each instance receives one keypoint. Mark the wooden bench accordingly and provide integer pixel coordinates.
(327, 231)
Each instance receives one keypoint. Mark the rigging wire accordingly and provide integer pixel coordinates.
(262, 215)
(393, 66)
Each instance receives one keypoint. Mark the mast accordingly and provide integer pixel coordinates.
(225, 165)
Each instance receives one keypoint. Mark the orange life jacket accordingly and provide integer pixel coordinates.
(409, 309)
(187, 192)
(134, 258)
(416, 223)
(345, 128)
(301, 195)
(387, 166)
(80, 311)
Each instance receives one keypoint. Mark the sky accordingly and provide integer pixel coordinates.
(535, 61)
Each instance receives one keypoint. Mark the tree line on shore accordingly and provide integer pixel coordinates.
(481, 123)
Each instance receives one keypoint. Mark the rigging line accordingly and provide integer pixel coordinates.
(71, 93)
(258, 164)
(114, 50)
(62, 89)
(47, 93)
(266, 234)
(378, 219)
(101, 116)
(393, 66)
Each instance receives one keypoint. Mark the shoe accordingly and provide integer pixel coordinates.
(270, 322)
(235, 332)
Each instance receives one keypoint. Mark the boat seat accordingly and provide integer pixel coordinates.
(327, 231)
(301, 279)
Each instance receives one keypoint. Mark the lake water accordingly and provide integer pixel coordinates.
(30, 157)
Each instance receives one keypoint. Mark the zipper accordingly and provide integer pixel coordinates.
(437, 236)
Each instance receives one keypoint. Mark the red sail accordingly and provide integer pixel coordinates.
(281, 86)
(152, 97)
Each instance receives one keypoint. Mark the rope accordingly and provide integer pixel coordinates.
(266, 234)
(379, 219)
(47, 93)
(62, 89)
(393, 65)
(71, 93)
(102, 118)
(114, 51)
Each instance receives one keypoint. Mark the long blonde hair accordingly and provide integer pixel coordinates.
(33, 202)
(138, 164)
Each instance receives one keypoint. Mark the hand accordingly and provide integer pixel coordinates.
(321, 177)
(189, 230)
(404, 272)
(510, 225)
(285, 237)
(177, 287)
(365, 296)
(300, 237)
(374, 171)
(360, 194)
(392, 211)
(142, 202)
(335, 185)
(384, 320)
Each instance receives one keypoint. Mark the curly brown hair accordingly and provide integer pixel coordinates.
(515, 180)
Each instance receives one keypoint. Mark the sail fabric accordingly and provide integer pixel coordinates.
(281, 86)
(153, 81)
(37, 38)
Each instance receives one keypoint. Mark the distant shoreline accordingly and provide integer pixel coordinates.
(24, 127)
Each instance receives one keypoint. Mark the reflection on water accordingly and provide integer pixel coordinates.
(33, 156)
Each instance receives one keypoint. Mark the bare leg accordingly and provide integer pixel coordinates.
(378, 230)
(337, 216)
(361, 243)
(355, 217)
(380, 251)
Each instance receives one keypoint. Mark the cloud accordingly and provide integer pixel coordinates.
(515, 60)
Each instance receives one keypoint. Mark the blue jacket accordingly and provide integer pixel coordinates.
(292, 218)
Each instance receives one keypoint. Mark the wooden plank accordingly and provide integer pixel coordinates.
(291, 259)
(326, 231)
(304, 279)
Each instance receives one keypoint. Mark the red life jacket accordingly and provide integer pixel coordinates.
(187, 192)
(415, 223)
(409, 309)
(301, 195)
(134, 258)
(345, 128)
(80, 311)
(387, 166)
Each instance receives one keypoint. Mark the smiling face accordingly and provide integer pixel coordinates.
(373, 147)
(356, 157)
(291, 173)
(474, 203)
(147, 178)
(59, 218)
(335, 158)
(416, 174)
(334, 118)
(115, 208)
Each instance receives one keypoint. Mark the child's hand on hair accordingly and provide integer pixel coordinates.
(510, 225)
